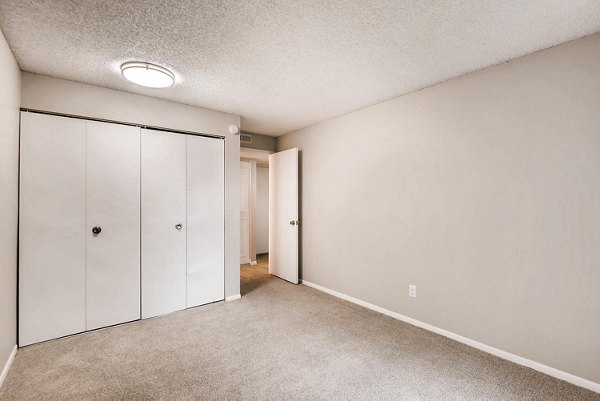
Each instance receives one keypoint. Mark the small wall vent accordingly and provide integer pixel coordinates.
(245, 138)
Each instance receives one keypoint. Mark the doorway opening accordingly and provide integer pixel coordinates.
(254, 218)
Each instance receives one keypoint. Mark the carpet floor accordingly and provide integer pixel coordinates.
(280, 341)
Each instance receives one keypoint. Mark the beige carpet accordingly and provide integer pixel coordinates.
(279, 341)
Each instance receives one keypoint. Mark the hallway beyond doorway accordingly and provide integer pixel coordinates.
(260, 269)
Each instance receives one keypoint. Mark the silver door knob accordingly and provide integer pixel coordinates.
(293, 222)
(178, 226)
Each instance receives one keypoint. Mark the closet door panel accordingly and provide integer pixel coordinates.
(51, 227)
(205, 219)
(113, 205)
(163, 222)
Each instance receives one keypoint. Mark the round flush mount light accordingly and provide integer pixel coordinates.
(146, 74)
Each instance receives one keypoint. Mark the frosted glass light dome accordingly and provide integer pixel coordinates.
(149, 75)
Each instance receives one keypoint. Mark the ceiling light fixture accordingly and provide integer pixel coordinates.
(146, 74)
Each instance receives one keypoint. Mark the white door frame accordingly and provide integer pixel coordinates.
(248, 212)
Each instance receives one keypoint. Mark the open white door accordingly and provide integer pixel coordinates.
(283, 215)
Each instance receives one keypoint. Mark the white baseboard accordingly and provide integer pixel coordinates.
(233, 297)
(550, 371)
(7, 365)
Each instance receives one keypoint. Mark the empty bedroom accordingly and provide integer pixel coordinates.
(299, 200)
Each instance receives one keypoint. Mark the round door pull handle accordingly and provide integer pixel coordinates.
(96, 230)
(293, 222)
(178, 226)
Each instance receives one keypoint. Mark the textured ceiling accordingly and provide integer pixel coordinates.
(285, 64)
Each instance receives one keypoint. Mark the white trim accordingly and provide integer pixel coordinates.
(233, 297)
(9, 362)
(559, 374)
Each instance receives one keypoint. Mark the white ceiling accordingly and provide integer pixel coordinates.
(285, 64)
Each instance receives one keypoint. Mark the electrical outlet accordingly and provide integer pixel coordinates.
(412, 291)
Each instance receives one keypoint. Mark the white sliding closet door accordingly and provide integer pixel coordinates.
(113, 206)
(205, 220)
(52, 227)
(163, 222)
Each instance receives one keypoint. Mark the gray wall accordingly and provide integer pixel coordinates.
(262, 142)
(58, 95)
(484, 191)
(10, 93)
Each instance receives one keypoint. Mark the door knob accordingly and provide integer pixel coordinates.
(293, 222)
(178, 226)
(96, 230)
